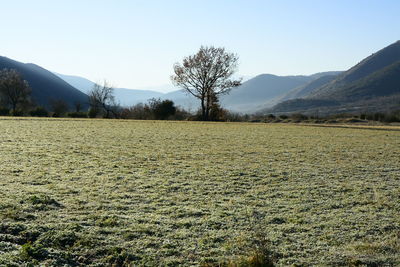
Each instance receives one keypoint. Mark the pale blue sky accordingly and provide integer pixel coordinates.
(134, 43)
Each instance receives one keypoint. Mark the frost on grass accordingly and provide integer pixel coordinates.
(102, 192)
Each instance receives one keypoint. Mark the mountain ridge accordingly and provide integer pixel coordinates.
(45, 86)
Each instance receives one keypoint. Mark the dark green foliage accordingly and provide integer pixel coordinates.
(271, 116)
(78, 114)
(155, 109)
(4, 111)
(39, 112)
(17, 113)
(283, 117)
(161, 109)
(93, 113)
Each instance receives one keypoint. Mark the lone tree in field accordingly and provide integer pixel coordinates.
(14, 90)
(207, 75)
(101, 99)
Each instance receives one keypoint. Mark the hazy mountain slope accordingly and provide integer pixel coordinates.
(129, 97)
(256, 91)
(375, 79)
(304, 90)
(126, 97)
(325, 73)
(183, 99)
(384, 82)
(377, 61)
(45, 85)
(80, 83)
(261, 90)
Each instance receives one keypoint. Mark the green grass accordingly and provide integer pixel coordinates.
(104, 192)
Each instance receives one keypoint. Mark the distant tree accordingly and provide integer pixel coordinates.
(14, 90)
(78, 106)
(206, 75)
(162, 109)
(102, 99)
(59, 107)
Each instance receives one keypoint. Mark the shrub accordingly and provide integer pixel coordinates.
(4, 111)
(271, 116)
(283, 117)
(299, 116)
(39, 112)
(17, 113)
(77, 114)
(93, 113)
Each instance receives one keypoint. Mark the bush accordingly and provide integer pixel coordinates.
(271, 117)
(59, 107)
(93, 113)
(39, 112)
(17, 113)
(283, 117)
(4, 111)
(299, 116)
(77, 114)
(162, 109)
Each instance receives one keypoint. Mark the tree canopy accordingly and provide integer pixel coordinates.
(14, 90)
(206, 75)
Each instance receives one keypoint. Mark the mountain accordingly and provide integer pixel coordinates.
(45, 85)
(126, 97)
(264, 90)
(374, 81)
(304, 90)
(261, 90)
(376, 62)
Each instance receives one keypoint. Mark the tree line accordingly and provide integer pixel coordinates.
(16, 100)
(206, 75)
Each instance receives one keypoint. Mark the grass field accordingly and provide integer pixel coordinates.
(113, 192)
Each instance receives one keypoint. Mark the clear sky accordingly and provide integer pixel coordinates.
(134, 43)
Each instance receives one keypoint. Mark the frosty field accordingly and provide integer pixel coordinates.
(114, 192)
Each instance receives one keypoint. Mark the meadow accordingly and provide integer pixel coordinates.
(154, 193)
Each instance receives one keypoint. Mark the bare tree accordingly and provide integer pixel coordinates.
(59, 107)
(14, 90)
(78, 106)
(101, 99)
(206, 75)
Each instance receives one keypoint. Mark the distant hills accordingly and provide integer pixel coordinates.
(370, 86)
(125, 97)
(260, 91)
(45, 85)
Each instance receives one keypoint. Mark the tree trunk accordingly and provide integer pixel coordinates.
(203, 109)
(208, 106)
(14, 107)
